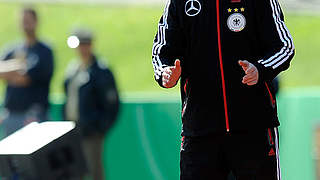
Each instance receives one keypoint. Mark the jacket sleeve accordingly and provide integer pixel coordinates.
(108, 100)
(6, 56)
(276, 42)
(168, 42)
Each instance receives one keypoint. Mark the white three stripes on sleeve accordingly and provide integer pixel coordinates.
(284, 34)
(161, 41)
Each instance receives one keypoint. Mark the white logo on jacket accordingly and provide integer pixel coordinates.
(236, 22)
(193, 7)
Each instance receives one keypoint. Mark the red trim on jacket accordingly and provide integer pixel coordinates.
(221, 67)
(273, 101)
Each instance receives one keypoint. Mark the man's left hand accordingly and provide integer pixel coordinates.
(252, 75)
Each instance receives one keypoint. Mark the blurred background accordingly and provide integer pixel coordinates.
(144, 142)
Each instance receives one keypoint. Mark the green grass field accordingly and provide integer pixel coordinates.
(124, 36)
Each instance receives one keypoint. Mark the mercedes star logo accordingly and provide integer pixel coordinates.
(193, 7)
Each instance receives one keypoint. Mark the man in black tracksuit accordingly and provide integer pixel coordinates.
(226, 53)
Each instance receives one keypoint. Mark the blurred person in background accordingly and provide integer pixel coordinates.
(92, 101)
(27, 70)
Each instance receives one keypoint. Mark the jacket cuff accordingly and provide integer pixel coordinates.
(263, 74)
(159, 79)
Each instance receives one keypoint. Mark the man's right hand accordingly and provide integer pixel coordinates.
(171, 75)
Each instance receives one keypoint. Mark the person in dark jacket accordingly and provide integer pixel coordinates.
(27, 70)
(92, 101)
(226, 54)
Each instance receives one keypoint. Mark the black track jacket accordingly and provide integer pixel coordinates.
(210, 37)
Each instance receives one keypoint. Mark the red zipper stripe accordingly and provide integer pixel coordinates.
(271, 97)
(221, 67)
